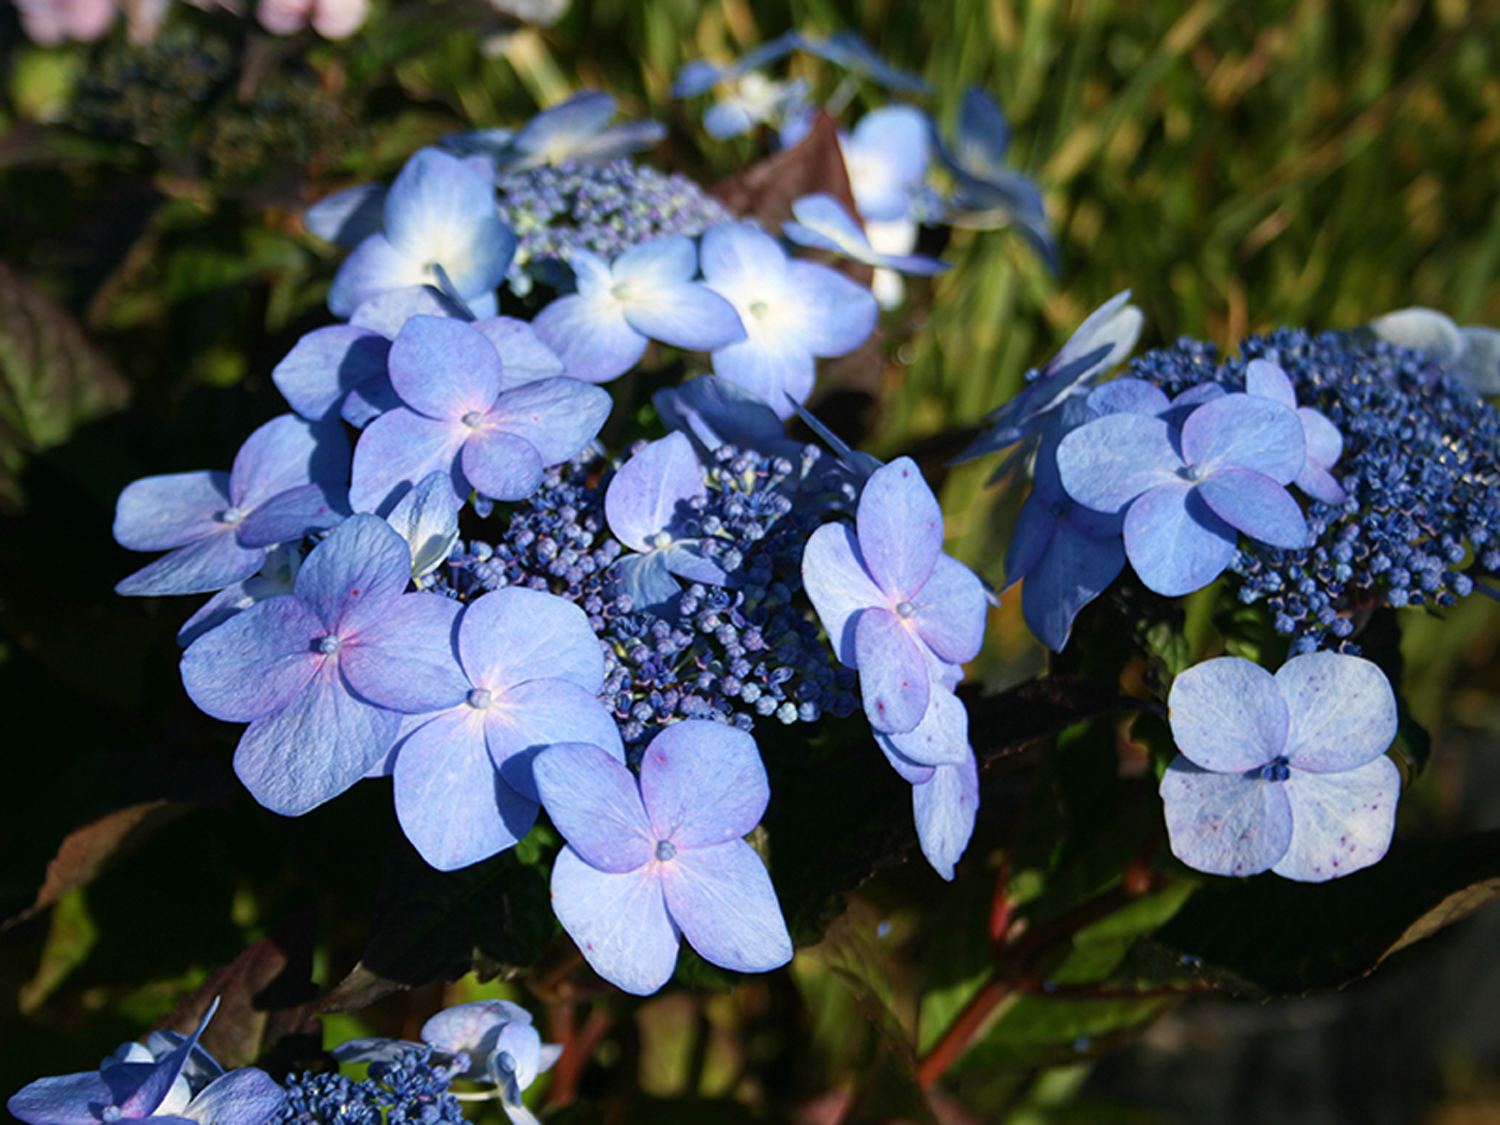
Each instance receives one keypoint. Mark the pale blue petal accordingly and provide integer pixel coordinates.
(444, 369)
(689, 315)
(427, 519)
(473, 1028)
(556, 416)
(662, 263)
(900, 528)
(726, 119)
(950, 610)
(290, 515)
(839, 585)
(1225, 823)
(1265, 379)
(1257, 505)
(686, 559)
(621, 140)
(850, 50)
(740, 257)
(1175, 542)
(387, 313)
(650, 492)
(1107, 463)
(501, 465)
(256, 662)
(286, 452)
(893, 678)
(1341, 822)
(162, 512)
(591, 336)
(771, 369)
(696, 77)
(406, 659)
(836, 315)
(910, 771)
(397, 450)
(1325, 444)
(515, 634)
(1245, 432)
(1479, 366)
(552, 135)
(315, 748)
(375, 267)
(703, 784)
(1424, 330)
(199, 568)
(242, 1097)
(347, 217)
(1342, 708)
(940, 739)
(1075, 570)
(619, 922)
(326, 364)
(1229, 715)
(1128, 396)
(355, 574)
(888, 154)
(441, 210)
(593, 800)
(1114, 326)
(722, 900)
(523, 356)
(452, 803)
(541, 713)
(945, 806)
(1320, 484)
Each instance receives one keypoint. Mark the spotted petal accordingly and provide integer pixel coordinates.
(1225, 823)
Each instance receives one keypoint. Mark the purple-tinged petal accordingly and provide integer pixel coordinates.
(1245, 432)
(354, 575)
(1109, 462)
(314, 748)
(272, 580)
(945, 807)
(452, 803)
(242, 1097)
(524, 357)
(950, 610)
(397, 450)
(910, 771)
(406, 659)
(1342, 708)
(594, 802)
(900, 528)
(619, 922)
(1341, 822)
(650, 493)
(290, 515)
(67, 1099)
(256, 662)
(515, 634)
(1228, 715)
(532, 716)
(839, 585)
(1128, 396)
(1320, 484)
(501, 465)
(444, 369)
(893, 678)
(1075, 570)
(326, 364)
(387, 313)
(646, 579)
(284, 453)
(722, 900)
(1225, 823)
(558, 416)
(1256, 505)
(199, 568)
(1265, 379)
(689, 315)
(375, 267)
(369, 401)
(702, 783)
(941, 738)
(715, 412)
(1175, 542)
(771, 369)
(686, 559)
(163, 512)
(590, 335)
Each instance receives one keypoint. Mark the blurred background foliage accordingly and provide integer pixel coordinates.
(1239, 166)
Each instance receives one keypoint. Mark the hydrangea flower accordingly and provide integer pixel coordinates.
(793, 312)
(648, 862)
(573, 131)
(1187, 494)
(143, 1088)
(1473, 353)
(1321, 437)
(823, 224)
(647, 293)
(1286, 773)
(457, 415)
(530, 670)
(888, 597)
(440, 228)
(288, 480)
(315, 673)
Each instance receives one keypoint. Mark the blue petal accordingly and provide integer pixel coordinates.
(900, 528)
(1245, 432)
(242, 1097)
(945, 806)
(540, 713)
(722, 900)
(68, 1099)
(591, 336)
(444, 369)
(199, 568)
(387, 313)
(284, 453)
(839, 585)
(689, 315)
(501, 465)
(397, 450)
(1225, 823)
(1175, 542)
(254, 664)
(523, 356)
(1074, 570)
(558, 417)
(1256, 505)
(355, 574)
(375, 267)
(940, 739)
(348, 217)
(703, 784)
(618, 921)
(326, 364)
(290, 515)
(1229, 715)
(1110, 461)
(651, 491)
(1342, 708)
(315, 748)
(1341, 822)
(405, 659)
(950, 610)
(646, 579)
(163, 512)
(516, 634)
(1420, 329)
(893, 678)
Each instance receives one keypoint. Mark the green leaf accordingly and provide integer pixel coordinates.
(1286, 937)
(69, 939)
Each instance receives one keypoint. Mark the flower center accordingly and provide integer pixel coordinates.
(479, 698)
(231, 515)
(328, 645)
(906, 609)
(665, 851)
(1276, 769)
(759, 309)
(473, 419)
